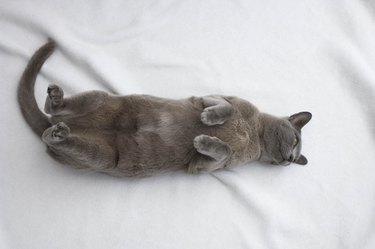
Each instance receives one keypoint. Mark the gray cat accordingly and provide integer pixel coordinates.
(141, 135)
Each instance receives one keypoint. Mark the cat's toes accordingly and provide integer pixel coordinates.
(55, 94)
(56, 133)
(199, 142)
(60, 131)
(54, 100)
(210, 117)
(204, 143)
(212, 147)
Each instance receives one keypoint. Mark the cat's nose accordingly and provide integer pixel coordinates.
(291, 158)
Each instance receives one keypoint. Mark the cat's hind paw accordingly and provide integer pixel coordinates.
(56, 133)
(56, 94)
(54, 99)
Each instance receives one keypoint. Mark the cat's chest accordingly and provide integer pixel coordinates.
(242, 137)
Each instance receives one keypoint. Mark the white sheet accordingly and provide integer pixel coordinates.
(283, 56)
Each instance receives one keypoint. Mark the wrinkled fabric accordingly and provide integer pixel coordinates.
(283, 56)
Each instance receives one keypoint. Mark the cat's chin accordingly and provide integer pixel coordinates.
(284, 163)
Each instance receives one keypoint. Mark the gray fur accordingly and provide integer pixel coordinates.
(141, 135)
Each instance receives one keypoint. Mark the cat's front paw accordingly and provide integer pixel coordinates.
(204, 143)
(211, 146)
(210, 117)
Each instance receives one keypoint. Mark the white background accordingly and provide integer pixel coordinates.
(283, 56)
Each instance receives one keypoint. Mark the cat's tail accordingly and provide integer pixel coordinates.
(37, 120)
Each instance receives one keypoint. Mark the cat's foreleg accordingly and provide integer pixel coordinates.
(216, 110)
(213, 154)
(57, 105)
(79, 152)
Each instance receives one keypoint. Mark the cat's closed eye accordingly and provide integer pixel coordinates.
(295, 142)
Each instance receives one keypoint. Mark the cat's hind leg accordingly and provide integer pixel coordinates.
(79, 104)
(213, 154)
(216, 110)
(77, 151)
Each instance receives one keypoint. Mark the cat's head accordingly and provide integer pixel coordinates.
(282, 139)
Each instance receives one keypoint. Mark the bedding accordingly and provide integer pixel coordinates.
(283, 56)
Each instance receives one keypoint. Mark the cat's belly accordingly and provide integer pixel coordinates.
(162, 140)
(153, 150)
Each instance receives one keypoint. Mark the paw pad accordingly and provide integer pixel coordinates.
(205, 143)
(56, 94)
(60, 131)
(210, 117)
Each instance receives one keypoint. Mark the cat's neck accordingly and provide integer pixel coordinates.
(267, 124)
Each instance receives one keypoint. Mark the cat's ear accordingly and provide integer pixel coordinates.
(302, 160)
(300, 119)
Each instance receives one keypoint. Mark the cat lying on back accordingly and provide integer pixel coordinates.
(140, 135)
